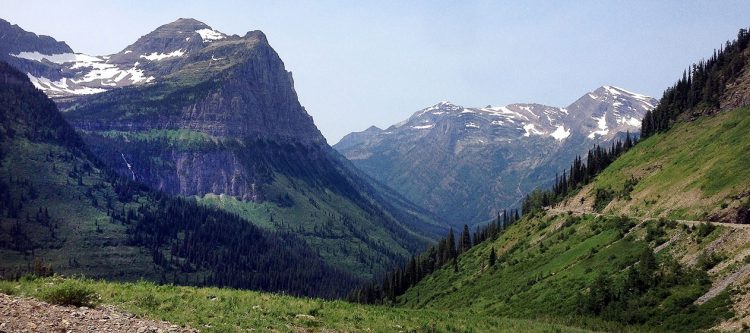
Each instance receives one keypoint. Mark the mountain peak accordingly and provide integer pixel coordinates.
(617, 91)
(441, 107)
(186, 23)
(373, 128)
(445, 105)
(13, 40)
(170, 41)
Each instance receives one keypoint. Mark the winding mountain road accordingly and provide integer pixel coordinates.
(559, 211)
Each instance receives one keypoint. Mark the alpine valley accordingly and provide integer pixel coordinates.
(178, 185)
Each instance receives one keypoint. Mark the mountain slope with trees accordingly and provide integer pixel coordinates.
(628, 237)
(63, 211)
(219, 120)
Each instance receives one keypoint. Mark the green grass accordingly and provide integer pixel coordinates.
(543, 264)
(181, 139)
(228, 310)
(687, 172)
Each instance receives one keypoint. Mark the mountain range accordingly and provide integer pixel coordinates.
(187, 159)
(468, 164)
(192, 112)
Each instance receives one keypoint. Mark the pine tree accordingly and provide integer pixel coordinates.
(465, 241)
(493, 257)
(451, 245)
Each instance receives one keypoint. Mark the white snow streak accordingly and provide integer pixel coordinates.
(161, 56)
(130, 167)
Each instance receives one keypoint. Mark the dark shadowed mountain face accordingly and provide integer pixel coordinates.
(217, 117)
(466, 164)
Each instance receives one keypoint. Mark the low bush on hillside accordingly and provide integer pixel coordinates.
(71, 292)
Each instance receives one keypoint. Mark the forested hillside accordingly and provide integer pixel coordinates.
(61, 210)
(221, 122)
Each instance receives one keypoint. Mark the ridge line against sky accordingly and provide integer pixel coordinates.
(358, 64)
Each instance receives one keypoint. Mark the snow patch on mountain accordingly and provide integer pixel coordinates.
(99, 73)
(531, 130)
(62, 86)
(161, 56)
(601, 123)
(111, 75)
(423, 126)
(504, 111)
(210, 35)
(618, 93)
(59, 59)
(632, 121)
(560, 133)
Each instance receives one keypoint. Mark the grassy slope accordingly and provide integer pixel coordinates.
(698, 170)
(227, 310)
(327, 221)
(543, 264)
(690, 172)
(705, 162)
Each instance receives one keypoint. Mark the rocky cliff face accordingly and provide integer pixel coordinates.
(248, 97)
(468, 163)
(247, 93)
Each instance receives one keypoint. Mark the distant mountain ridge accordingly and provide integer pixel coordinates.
(469, 163)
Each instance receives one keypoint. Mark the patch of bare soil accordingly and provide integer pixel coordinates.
(29, 315)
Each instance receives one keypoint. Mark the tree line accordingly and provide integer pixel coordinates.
(579, 174)
(447, 252)
(701, 86)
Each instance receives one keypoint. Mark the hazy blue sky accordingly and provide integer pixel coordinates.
(358, 64)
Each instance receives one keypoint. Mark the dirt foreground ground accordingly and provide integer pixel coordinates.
(29, 315)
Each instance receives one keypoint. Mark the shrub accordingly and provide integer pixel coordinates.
(708, 261)
(704, 229)
(602, 198)
(72, 293)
